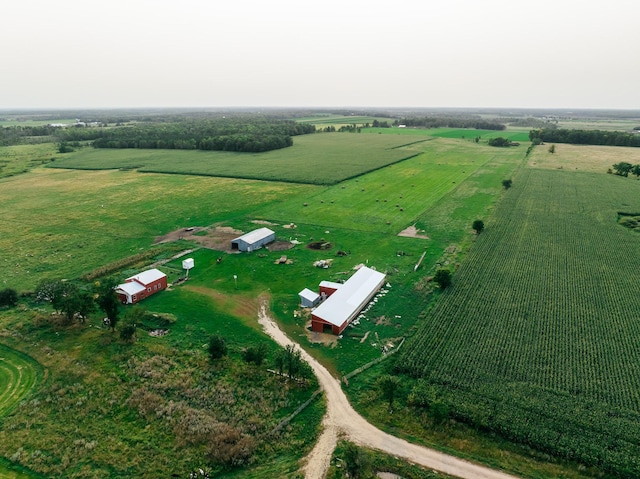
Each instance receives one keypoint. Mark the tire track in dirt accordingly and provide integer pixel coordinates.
(342, 419)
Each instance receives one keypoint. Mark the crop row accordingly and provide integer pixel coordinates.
(545, 302)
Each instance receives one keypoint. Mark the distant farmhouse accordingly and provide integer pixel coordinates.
(345, 301)
(253, 240)
(138, 287)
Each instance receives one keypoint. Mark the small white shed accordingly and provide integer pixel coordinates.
(308, 298)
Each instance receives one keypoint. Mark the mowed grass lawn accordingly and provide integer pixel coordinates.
(323, 158)
(61, 223)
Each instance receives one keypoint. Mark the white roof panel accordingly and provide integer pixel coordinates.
(309, 295)
(131, 288)
(148, 276)
(255, 235)
(351, 297)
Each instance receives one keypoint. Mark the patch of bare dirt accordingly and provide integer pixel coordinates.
(279, 246)
(413, 232)
(264, 222)
(215, 237)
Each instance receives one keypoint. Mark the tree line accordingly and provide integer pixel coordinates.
(585, 137)
(241, 133)
(232, 134)
(448, 122)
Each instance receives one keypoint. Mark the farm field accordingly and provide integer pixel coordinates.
(63, 223)
(390, 199)
(536, 338)
(20, 159)
(515, 134)
(588, 158)
(325, 158)
(65, 232)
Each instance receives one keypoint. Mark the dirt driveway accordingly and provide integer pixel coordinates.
(342, 419)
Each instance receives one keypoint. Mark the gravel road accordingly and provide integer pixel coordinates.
(342, 420)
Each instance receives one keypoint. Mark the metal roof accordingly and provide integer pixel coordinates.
(309, 295)
(330, 284)
(254, 236)
(350, 297)
(131, 288)
(148, 276)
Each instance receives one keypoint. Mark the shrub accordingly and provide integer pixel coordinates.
(217, 347)
(8, 297)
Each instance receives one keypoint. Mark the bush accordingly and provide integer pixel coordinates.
(230, 447)
(217, 347)
(8, 297)
(443, 278)
(255, 354)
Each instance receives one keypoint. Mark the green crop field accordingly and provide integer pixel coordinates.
(517, 135)
(537, 337)
(314, 159)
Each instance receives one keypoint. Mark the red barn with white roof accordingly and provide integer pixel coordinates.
(138, 287)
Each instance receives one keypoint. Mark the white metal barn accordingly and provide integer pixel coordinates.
(253, 240)
(346, 302)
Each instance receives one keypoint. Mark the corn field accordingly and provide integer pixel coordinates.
(538, 338)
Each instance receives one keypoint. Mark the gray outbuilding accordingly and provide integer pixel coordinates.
(308, 298)
(253, 240)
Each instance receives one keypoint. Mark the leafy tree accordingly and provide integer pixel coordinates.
(289, 360)
(127, 331)
(63, 147)
(255, 354)
(507, 184)
(85, 304)
(279, 361)
(132, 317)
(478, 226)
(499, 142)
(107, 300)
(8, 297)
(552, 149)
(623, 168)
(389, 384)
(217, 347)
(636, 170)
(443, 278)
(356, 461)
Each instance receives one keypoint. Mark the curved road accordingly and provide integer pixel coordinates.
(342, 419)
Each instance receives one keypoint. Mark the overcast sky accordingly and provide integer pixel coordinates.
(419, 53)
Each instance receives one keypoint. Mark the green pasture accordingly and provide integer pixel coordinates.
(63, 223)
(536, 337)
(323, 158)
(517, 135)
(21, 159)
(19, 374)
(392, 198)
